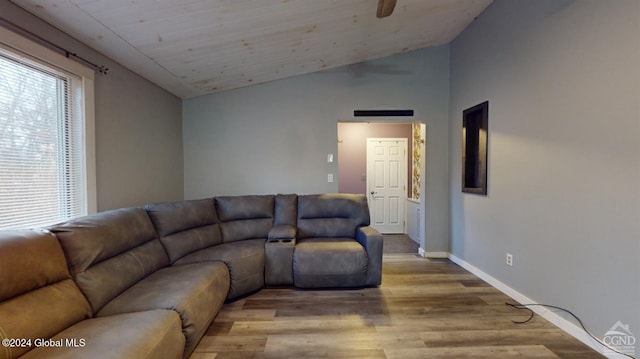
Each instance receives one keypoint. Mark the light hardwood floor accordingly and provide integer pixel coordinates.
(423, 309)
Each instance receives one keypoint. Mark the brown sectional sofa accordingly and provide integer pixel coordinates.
(147, 282)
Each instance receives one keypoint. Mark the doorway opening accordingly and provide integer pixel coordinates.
(358, 174)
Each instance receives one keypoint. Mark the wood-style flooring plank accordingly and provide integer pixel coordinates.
(423, 309)
(475, 352)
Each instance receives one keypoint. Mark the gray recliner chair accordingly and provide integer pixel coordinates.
(335, 247)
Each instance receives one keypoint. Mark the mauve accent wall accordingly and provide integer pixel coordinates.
(352, 152)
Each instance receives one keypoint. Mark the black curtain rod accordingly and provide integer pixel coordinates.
(22, 31)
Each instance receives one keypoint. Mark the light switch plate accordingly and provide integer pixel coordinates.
(330, 157)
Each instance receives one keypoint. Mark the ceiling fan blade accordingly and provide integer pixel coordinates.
(385, 8)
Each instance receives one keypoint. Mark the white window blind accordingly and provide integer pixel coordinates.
(41, 144)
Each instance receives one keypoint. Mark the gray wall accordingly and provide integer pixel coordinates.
(275, 137)
(138, 127)
(563, 83)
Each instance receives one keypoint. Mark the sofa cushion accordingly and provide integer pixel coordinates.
(20, 273)
(245, 217)
(195, 291)
(185, 227)
(145, 335)
(331, 215)
(329, 262)
(286, 210)
(110, 251)
(245, 260)
(37, 296)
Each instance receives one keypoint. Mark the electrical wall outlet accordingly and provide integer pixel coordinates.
(509, 259)
(330, 177)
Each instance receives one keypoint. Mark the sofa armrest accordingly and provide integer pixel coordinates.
(278, 253)
(282, 232)
(371, 240)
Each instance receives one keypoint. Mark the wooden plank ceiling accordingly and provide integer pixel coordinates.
(196, 47)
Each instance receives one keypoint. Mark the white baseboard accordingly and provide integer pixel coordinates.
(436, 254)
(569, 327)
(425, 254)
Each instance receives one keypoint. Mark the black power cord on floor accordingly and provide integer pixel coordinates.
(531, 312)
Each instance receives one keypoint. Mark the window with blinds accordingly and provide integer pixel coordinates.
(41, 144)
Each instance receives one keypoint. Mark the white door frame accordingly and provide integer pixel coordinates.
(387, 186)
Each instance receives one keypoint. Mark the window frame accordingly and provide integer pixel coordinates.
(31, 52)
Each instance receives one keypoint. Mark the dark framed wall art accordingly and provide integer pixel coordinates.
(475, 126)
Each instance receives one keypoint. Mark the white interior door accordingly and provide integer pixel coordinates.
(387, 183)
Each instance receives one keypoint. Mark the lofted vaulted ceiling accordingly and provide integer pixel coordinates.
(196, 47)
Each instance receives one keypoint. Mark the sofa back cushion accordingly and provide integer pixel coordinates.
(331, 215)
(185, 227)
(110, 251)
(245, 217)
(38, 298)
(286, 210)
